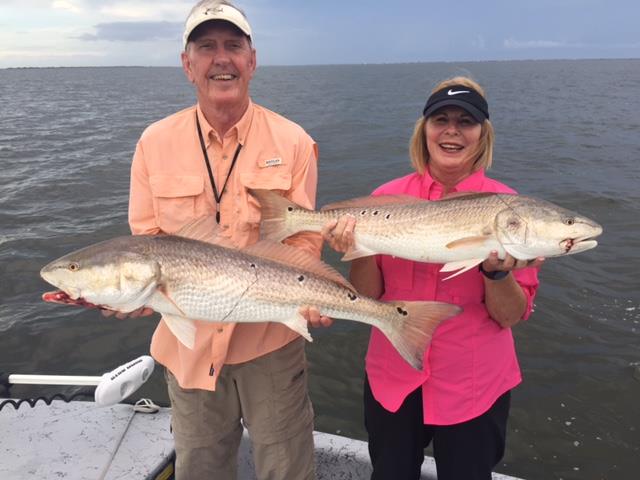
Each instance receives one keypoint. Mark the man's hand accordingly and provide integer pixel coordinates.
(140, 312)
(312, 315)
(339, 234)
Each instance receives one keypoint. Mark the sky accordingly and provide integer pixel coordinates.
(54, 33)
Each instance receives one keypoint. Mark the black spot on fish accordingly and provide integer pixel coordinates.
(290, 209)
(301, 278)
(352, 296)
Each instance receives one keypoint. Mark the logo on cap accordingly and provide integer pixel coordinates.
(451, 92)
(213, 10)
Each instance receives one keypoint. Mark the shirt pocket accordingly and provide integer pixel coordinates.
(174, 199)
(266, 179)
(464, 289)
(398, 274)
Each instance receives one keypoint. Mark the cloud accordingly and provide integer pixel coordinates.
(65, 5)
(55, 54)
(141, 10)
(134, 31)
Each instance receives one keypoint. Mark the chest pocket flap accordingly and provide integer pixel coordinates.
(267, 179)
(174, 199)
(175, 186)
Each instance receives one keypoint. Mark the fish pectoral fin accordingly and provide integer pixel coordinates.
(468, 242)
(167, 298)
(461, 266)
(183, 329)
(298, 324)
(519, 252)
(357, 252)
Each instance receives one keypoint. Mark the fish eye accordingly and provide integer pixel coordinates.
(569, 221)
(73, 266)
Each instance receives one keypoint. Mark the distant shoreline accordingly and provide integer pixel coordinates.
(349, 64)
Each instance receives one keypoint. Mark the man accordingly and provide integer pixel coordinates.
(200, 161)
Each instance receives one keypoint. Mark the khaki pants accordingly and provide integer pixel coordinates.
(269, 395)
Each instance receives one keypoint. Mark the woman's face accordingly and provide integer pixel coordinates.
(452, 137)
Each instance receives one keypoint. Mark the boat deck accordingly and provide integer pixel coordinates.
(79, 440)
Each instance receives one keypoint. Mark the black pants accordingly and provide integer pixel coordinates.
(464, 451)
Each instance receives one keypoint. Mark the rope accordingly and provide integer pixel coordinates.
(144, 405)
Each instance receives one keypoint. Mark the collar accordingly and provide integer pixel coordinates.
(432, 189)
(239, 130)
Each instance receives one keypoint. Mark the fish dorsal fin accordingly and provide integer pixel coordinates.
(205, 229)
(465, 195)
(296, 257)
(374, 201)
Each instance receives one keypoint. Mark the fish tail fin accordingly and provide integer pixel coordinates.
(275, 224)
(412, 326)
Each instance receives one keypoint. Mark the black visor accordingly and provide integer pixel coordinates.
(458, 96)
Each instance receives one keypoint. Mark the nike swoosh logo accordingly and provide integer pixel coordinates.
(451, 92)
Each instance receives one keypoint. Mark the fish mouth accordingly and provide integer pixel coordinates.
(580, 244)
(63, 298)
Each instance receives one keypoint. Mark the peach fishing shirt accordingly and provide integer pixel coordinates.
(170, 186)
(471, 360)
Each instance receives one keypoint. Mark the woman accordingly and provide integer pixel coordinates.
(461, 399)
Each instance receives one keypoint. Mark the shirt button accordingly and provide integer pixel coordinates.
(224, 157)
(220, 330)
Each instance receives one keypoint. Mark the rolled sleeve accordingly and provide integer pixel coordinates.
(142, 219)
(303, 192)
(527, 278)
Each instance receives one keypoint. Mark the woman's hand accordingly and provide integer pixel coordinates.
(312, 315)
(140, 312)
(339, 234)
(504, 298)
(493, 263)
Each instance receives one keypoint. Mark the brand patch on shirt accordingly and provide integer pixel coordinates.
(272, 162)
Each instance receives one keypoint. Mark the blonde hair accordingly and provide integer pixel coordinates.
(418, 151)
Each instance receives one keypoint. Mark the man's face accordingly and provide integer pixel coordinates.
(220, 62)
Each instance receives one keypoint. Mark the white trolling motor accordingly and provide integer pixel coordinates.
(112, 387)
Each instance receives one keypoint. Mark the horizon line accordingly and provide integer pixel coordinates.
(338, 64)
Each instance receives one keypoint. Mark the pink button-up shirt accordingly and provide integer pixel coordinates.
(471, 360)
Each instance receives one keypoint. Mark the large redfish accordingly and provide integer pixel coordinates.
(186, 279)
(459, 231)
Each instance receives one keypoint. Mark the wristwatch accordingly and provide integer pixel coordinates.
(495, 275)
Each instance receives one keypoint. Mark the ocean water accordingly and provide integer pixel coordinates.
(566, 131)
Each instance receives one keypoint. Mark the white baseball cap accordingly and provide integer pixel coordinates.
(212, 10)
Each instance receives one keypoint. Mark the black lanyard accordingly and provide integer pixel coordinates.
(217, 196)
